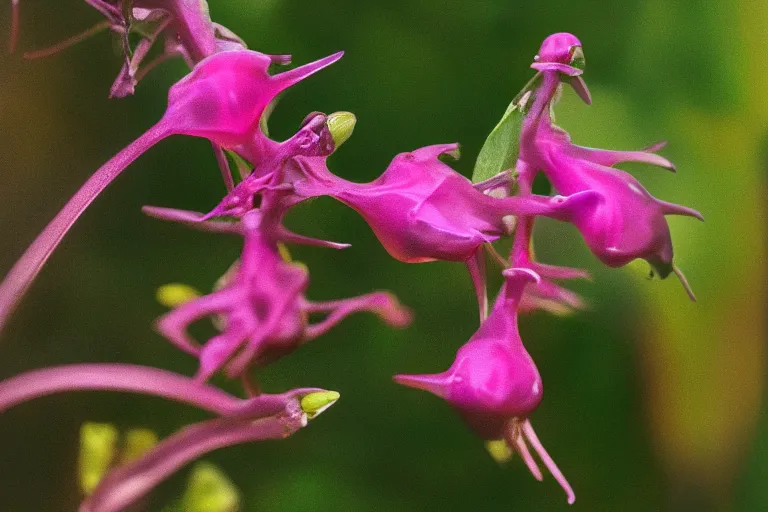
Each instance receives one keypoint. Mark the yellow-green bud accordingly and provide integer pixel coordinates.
(499, 450)
(175, 294)
(341, 125)
(97, 450)
(315, 403)
(209, 490)
(137, 442)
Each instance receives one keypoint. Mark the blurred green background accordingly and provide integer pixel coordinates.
(651, 403)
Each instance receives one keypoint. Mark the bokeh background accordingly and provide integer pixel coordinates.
(651, 403)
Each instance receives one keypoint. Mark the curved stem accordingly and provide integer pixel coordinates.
(115, 377)
(70, 41)
(126, 484)
(27, 267)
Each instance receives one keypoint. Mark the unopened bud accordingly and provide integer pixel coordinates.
(341, 125)
(98, 443)
(137, 443)
(499, 451)
(315, 403)
(175, 294)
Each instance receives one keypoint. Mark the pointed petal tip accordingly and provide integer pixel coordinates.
(295, 75)
(434, 383)
(580, 86)
(653, 148)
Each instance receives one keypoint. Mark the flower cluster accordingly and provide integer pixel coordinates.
(420, 209)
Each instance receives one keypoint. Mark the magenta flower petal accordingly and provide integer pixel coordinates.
(623, 222)
(223, 99)
(422, 210)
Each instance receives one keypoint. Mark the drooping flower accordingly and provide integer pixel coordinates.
(223, 99)
(239, 420)
(261, 303)
(493, 383)
(422, 210)
(624, 222)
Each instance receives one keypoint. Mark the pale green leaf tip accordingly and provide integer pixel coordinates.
(315, 403)
(341, 125)
(210, 490)
(175, 294)
(98, 445)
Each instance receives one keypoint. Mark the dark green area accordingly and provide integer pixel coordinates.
(415, 73)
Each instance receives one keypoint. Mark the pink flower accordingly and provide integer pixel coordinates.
(261, 303)
(622, 222)
(422, 210)
(223, 99)
(238, 420)
(494, 384)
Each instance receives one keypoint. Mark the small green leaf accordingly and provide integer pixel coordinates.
(501, 148)
(209, 490)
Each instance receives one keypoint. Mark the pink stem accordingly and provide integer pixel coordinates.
(476, 267)
(124, 485)
(115, 377)
(25, 270)
(14, 37)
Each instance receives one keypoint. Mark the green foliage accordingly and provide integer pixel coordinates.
(501, 148)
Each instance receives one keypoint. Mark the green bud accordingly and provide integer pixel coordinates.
(175, 294)
(315, 403)
(137, 442)
(97, 450)
(341, 125)
(210, 490)
(499, 450)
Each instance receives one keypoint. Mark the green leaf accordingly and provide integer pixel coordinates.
(501, 148)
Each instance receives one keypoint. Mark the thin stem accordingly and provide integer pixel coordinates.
(25, 270)
(226, 172)
(126, 484)
(115, 377)
(15, 20)
(70, 41)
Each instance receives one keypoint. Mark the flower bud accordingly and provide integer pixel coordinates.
(341, 126)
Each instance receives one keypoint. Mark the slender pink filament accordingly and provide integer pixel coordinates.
(548, 462)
